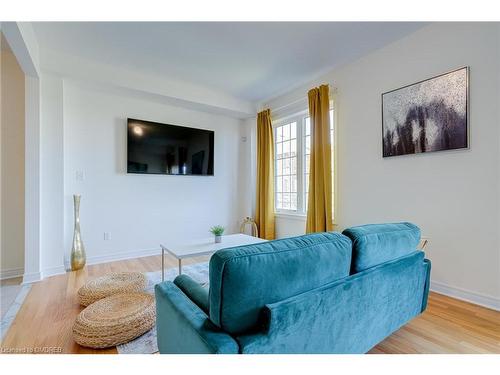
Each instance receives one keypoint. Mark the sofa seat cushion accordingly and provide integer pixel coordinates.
(374, 244)
(244, 279)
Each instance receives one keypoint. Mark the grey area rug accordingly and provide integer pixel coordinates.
(13, 309)
(146, 344)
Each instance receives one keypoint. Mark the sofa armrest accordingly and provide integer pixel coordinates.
(194, 291)
(182, 327)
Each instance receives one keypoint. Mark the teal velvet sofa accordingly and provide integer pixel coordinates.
(317, 293)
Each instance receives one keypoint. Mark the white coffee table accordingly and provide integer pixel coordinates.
(204, 246)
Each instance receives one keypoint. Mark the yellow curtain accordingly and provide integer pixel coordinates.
(264, 213)
(319, 207)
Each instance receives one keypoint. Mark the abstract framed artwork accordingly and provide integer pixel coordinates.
(427, 116)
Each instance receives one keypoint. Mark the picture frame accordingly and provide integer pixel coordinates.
(427, 116)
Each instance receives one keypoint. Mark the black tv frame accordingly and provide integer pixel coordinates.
(211, 155)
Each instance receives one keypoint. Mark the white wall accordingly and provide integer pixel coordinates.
(140, 211)
(453, 196)
(51, 176)
(12, 166)
(247, 167)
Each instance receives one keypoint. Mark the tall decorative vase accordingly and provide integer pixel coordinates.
(78, 257)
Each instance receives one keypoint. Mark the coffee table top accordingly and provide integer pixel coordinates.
(206, 246)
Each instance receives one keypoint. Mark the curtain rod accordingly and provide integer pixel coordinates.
(333, 90)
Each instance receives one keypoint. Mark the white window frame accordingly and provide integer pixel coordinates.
(299, 118)
(299, 141)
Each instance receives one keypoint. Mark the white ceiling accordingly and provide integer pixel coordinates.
(251, 61)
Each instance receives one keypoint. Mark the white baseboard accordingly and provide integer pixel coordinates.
(10, 273)
(29, 278)
(53, 271)
(59, 270)
(39, 276)
(122, 256)
(466, 295)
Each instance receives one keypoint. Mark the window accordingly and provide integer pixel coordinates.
(292, 139)
(286, 167)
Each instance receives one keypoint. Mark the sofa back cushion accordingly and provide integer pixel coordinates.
(378, 243)
(244, 279)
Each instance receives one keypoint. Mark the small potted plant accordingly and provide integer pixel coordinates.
(217, 232)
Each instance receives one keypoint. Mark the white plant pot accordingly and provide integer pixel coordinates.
(218, 239)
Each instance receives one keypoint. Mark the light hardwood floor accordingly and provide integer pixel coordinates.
(447, 326)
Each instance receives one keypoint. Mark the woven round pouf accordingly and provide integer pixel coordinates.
(115, 320)
(105, 286)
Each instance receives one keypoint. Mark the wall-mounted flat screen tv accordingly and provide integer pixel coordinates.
(155, 148)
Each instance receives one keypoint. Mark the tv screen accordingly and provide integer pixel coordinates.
(155, 148)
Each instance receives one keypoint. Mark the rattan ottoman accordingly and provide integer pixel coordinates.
(105, 286)
(115, 320)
